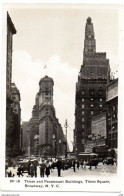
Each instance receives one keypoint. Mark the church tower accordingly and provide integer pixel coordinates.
(90, 89)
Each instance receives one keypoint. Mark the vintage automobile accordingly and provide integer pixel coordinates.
(24, 165)
(109, 160)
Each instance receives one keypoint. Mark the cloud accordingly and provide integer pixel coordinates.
(114, 65)
(27, 74)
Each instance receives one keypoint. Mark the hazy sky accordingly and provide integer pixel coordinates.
(54, 35)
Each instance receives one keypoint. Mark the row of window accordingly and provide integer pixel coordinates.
(112, 136)
(83, 106)
(93, 92)
(92, 112)
(92, 99)
(114, 116)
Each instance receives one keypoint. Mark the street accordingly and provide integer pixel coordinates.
(105, 170)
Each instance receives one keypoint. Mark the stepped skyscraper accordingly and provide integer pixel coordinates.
(90, 89)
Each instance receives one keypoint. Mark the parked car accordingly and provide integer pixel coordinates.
(109, 160)
(24, 165)
(93, 162)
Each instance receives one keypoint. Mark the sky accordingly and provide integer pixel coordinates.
(53, 35)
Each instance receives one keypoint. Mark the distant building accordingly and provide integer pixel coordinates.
(34, 128)
(90, 89)
(50, 131)
(112, 119)
(47, 127)
(26, 138)
(45, 133)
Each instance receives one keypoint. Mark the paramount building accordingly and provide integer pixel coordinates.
(90, 89)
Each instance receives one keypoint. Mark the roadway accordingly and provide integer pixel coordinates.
(106, 170)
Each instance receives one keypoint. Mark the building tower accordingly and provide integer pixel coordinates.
(46, 116)
(90, 88)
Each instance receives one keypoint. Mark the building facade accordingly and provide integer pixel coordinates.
(45, 133)
(90, 89)
(34, 128)
(50, 130)
(96, 142)
(10, 32)
(47, 126)
(16, 113)
(112, 112)
(26, 138)
(13, 111)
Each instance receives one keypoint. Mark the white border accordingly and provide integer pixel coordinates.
(121, 75)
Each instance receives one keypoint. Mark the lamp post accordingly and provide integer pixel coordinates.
(66, 126)
(54, 144)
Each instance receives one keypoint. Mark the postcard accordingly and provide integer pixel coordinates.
(62, 97)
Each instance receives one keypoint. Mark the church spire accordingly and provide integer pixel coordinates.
(89, 42)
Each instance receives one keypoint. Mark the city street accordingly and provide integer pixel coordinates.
(105, 170)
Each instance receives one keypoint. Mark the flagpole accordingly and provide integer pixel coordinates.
(45, 67)
(46, 70)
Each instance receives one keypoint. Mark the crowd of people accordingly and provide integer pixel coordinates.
(47, 167)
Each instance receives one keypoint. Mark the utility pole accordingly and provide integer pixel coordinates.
(66, 126)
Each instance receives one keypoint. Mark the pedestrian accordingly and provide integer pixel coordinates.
(51, 169)
(81, 163)
(9, 173)
(90, 165)
(35, 169)
(29, 164)
(19, 171)
(32, 170)
(59, 167)
(84, 163)
(78, 165)
(42, 169)
(73, 164)
(47, 172)
(63, 165)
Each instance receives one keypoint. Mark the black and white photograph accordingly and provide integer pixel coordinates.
(60, 66)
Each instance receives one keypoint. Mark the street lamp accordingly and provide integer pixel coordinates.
(54, 144)
(66, 126)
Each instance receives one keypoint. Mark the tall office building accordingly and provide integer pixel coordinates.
(46, 136)
(90, 89)
(9, 110)
(46, 115)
